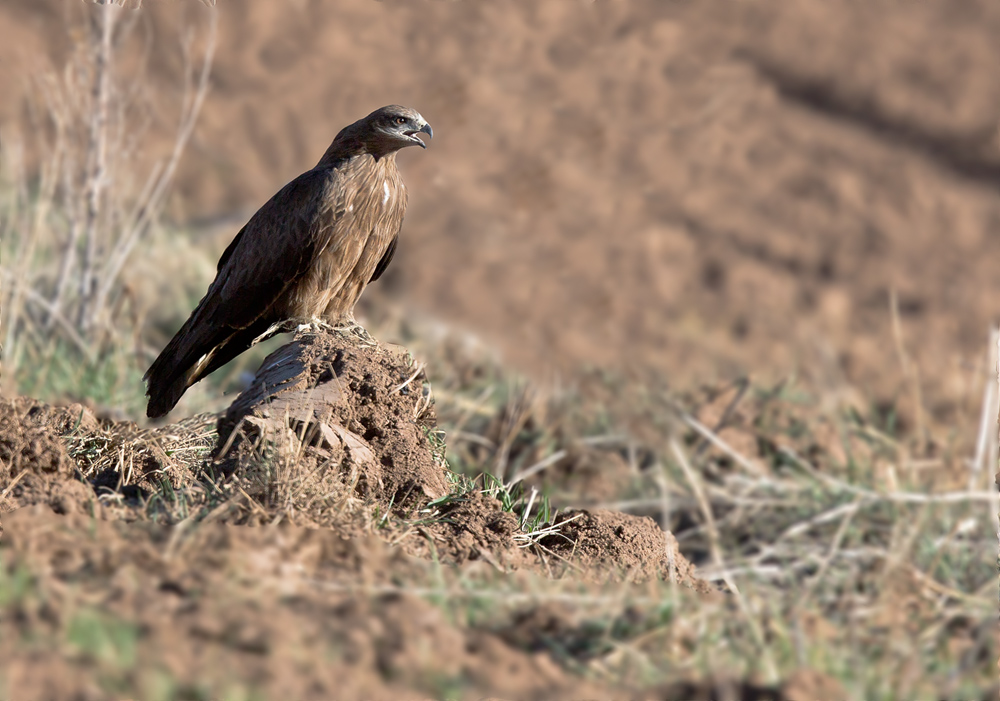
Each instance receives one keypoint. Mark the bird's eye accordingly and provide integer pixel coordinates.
(400, 120)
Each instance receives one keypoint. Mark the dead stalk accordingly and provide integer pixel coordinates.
(150, 208)
(910, 370)
(714, 439)
(85, 215)
(986, 439)
(831, 553)
(97, 172)
(770, 667)
(537, 467)
(13, 483)
(994, 461)
(663, 483)
(419, 369)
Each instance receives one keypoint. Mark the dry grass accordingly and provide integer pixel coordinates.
(72, 321)
(849, 548)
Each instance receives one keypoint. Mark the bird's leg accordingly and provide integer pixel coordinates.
(314, 325)
(351, 327)
(362, 333)
(345, 326)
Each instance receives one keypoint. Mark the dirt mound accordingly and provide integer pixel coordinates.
(634, 547)
(334, 431)
(342, 402)
(335, 409)
(28, 443)
(34, 465)
(474, 527)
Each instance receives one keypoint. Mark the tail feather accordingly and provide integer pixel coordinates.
(170, 374)
(164, 398)
(188, 358)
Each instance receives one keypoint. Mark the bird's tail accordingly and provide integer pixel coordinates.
(189, 357)
(174, 370)
(164, 398)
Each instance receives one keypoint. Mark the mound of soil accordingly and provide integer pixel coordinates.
(337, 400)
(333, 427)
(337, 409)
(633, 546)
(595, 545)
(34, 465)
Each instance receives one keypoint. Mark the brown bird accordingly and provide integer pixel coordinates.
(305, 256)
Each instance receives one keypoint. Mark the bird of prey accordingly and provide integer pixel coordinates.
(306, 255)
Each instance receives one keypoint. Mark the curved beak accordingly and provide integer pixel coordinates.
(425, 129)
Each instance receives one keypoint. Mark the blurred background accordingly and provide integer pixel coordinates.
(703, 190)
(728, 265)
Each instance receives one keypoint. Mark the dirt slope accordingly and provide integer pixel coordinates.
(699, 188)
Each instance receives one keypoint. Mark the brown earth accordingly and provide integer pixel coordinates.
(314, 615)
(332, 609)
(349, 424)
(34, 465)
(335, 399)
(305, 620)
(697, 188)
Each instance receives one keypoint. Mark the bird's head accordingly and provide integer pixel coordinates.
(388, 129)
(400, 125)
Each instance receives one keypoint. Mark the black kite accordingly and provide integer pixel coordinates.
(307, 254)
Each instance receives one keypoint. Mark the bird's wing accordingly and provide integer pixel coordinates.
(385, 259)
(228, 253)
(276, 248)
(271, 253)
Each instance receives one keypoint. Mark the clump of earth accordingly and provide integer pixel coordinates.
(333, 424)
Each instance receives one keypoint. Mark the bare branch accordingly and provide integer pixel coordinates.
(151, 207)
